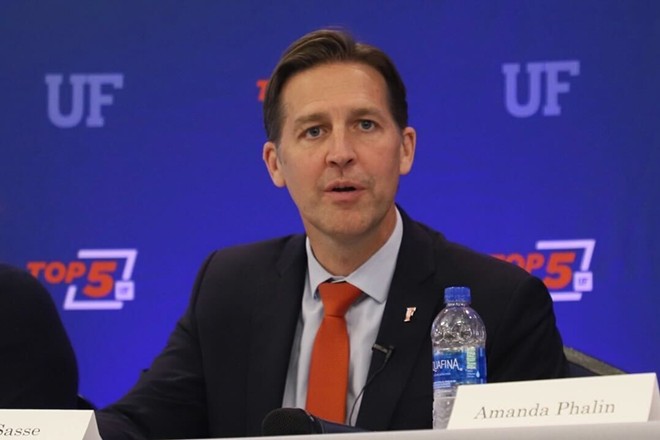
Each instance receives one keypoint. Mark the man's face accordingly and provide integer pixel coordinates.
(341, 153)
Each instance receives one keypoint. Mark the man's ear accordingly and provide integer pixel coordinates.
(273, 165)
(408, 144)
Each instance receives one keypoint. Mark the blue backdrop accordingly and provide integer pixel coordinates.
(131, 139)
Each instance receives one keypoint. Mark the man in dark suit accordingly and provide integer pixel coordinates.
(338, 140)
(38, 367)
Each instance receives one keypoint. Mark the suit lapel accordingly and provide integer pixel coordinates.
(273, 328)
(413, 285)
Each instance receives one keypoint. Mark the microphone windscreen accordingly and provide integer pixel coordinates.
(289, 421)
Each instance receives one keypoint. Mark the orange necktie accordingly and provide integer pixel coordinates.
(328, 369)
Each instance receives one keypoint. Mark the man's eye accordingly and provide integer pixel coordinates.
(367, 125)
(313, 132)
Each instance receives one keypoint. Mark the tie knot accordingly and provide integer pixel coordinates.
(337, 297)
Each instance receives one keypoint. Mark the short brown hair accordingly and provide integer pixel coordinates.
(328, 46)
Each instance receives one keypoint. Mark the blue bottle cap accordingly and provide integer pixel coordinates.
(457, 294)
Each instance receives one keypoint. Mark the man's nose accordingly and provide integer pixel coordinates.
(341, 150)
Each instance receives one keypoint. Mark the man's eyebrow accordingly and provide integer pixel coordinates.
(355, 113)
(366, 111)
(305, 119)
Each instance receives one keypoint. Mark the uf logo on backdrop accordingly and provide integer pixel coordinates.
(562, 265)
(96, 98)
(95, 281)
(535, 71)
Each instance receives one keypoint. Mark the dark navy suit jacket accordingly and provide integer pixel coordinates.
(38, 367)
(224, 366)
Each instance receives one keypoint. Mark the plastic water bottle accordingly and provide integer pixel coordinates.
(458, 336)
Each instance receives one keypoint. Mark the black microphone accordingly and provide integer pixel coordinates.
(385, 350)
(297, 421)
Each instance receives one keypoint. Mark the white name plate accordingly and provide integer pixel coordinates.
(48, 424)
(573, 401)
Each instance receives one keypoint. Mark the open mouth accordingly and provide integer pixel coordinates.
(343, 189)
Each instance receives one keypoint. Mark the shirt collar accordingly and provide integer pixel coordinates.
(373, 277)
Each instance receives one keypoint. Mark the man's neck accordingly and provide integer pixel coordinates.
(341, 256)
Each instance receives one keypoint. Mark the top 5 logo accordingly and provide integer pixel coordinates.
(104, 285)
(562, 265)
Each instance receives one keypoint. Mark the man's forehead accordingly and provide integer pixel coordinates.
(352, 88)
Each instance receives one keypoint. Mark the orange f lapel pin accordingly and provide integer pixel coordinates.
(410, 311)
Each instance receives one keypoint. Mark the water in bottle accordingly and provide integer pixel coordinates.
(458, 336)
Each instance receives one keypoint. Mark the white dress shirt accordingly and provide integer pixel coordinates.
(363, 318)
